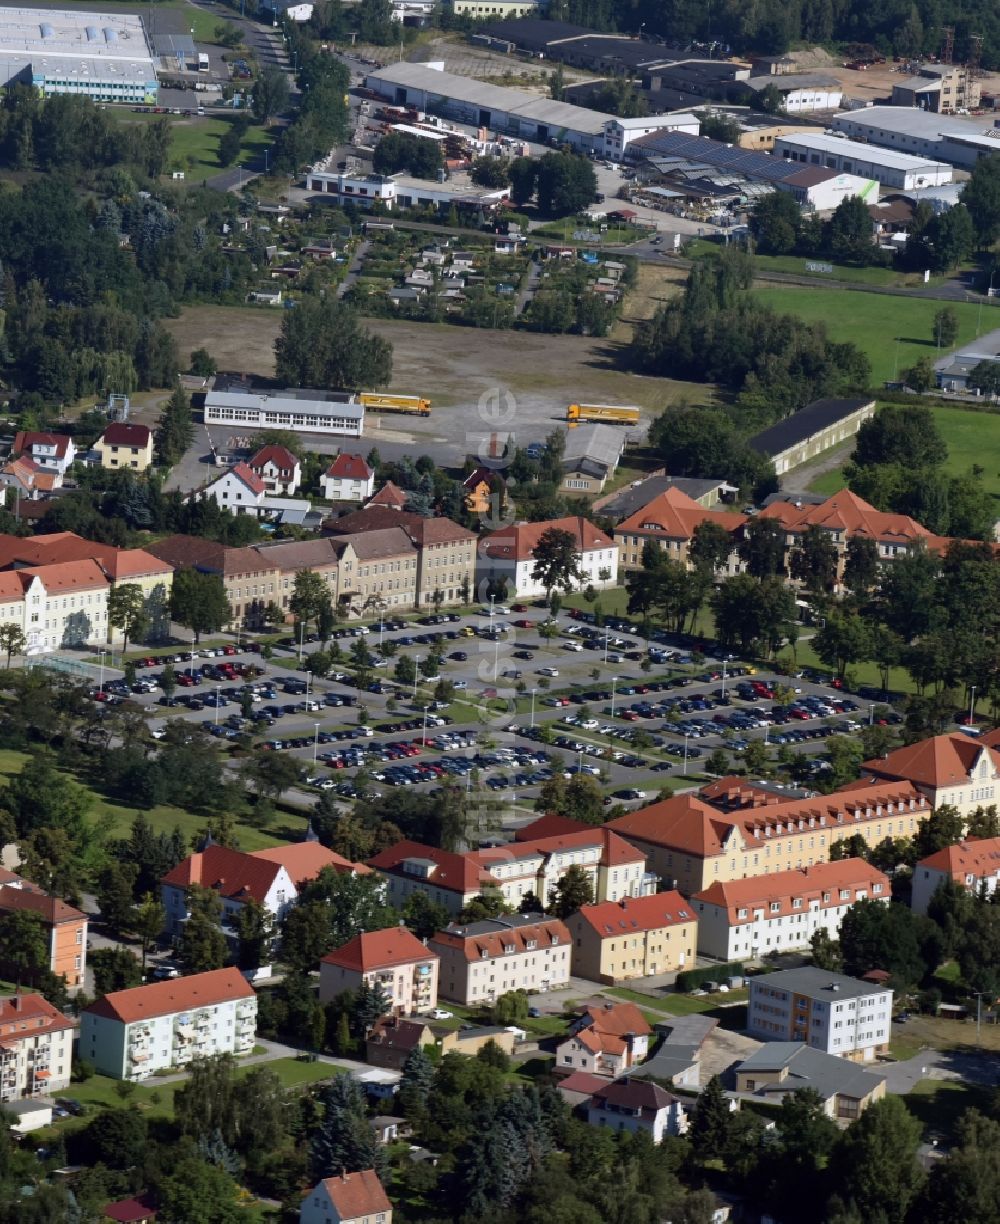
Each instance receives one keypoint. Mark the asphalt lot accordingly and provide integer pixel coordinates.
(490, 733)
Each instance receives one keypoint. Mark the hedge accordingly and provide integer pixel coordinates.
(691, 978)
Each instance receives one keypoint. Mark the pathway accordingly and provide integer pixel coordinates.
(354, 271)
(273, 1050)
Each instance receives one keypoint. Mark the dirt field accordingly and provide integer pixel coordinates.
(654, 286)
(479, 381)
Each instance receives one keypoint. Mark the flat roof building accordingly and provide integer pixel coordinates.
(827, 1011)
(953, 139)
(105, 56)
(891, 168)
(326, 412)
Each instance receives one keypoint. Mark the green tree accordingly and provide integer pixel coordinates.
(573, 890)
(322, 344)
(425, 916)
(775, 223)
(981, 196)
(813, 562)
(861, 565)
(945, 327)
(115, 886)
(826, 952)
(310, 595)
(255, 929)
(202, 944)
(114, 969)
(711, 544)
(874, 935)
(850, 234)
(148, 919)
(270, 94)
(565, 183)
(875, 1165)
(343, 1141)
(175, 428)
(117, 1138)
(556, 561)
(943, 827)
(709, 1123)
(965, 1185)
(24, 945)
(196, 1192)
(491, 172)
(12, 641)
(198, 602)
(231, 141)
(762, 549)
(415, 1084)
(127, 611)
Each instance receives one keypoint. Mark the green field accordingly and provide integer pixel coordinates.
(194, 142)
(972, 438)
(895, 332)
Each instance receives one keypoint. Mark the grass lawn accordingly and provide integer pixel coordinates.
(796, 265)
(194, 142)
(294, 1073)
(894, 332)
(938, 1104)
(678, 1004)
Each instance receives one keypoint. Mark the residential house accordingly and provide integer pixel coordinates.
(690, 845)
(509, 554)
(132, 1034)
(481, 960)
(517, 870)
(125, 446)
(389, 497)
(393, 959)
(484, 492)
(239, 490)
(782, 911)
(828, 1011)
(349, 1198)
(469, 1041)
(27, 478)
(590, 458)
(606, 1040)
(670, 521)
(140, 1209)
(393, 1040)
(348, 478)
(36, 1048)
(952, 769)
(578, 1087)
(633, 937)
(64, 925)
(780, 1068)
(635, 1105)
(973, 864)
(271, 877)
(54, 453)
(278, 468)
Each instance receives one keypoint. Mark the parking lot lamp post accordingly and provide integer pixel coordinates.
(416, 676)
(315, 742)
(302, 633)
(607, 639)
(724, 662)
(972, 706)
(216, 705)
(685, 769)
(579, 761)
(871, 715)
(423, 734)
(101, 654)
(614, 682)
(533, 692)
(381, 630)
(496, 659)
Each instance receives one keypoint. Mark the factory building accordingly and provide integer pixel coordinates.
(888, 167)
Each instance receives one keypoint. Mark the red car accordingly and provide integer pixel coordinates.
(523, 624)
(518, 607)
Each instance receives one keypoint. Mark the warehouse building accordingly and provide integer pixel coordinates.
(812, 430)
(947, 138)
(888, 167)
(105, 56)
(325, 412)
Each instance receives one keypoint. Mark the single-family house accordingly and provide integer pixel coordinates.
(393, 959)
(348, 478)
(348, 1198)
(239, 490)
(53, 453)
(278, 468)
(125, 446)
(28, 479)
(605, 1039)
(140, 1209)
(393, 1039)
(638, 1105)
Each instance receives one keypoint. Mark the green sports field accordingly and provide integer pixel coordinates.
(894, 331)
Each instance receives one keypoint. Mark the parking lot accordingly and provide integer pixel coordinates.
(532, 696)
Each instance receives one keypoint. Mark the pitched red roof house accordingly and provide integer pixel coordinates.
(356, 1196)
(633, 914)
(942, 760)
(249, 477)
(25, 440)
(457, 873)
(519, 541)
(137, 1210)
(390, 496)
(118, 433)
(306, 859)
(849, 515)
(354, 467)
(280, 457)
(179, 995)
(383, 949)
(231, 873)
(808, 885)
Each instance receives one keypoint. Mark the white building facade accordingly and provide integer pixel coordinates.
(973, 865)
(36, 1048)
(334, 413)
(479, 961)
(348, 478)
(510, 554)
(619, 133)
(827, 1011)
(903, 171)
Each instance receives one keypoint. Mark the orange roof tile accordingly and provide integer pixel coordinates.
(357, 1195)
(16, 1010)
(850, 514)
(455, 872)
(134, 563)
(805, 884)
(50, 909)
(614, 850)
(370, 950)
(231, 873)
(518, 542)
(976, 856)
(69, 576)
(682, 822)
(612, 918)
(248, 476)
(279, 456)
(548, 825)
(942, 760)
(305, 860)
(179, 995)
(619, 1019)
(350, 467)
(675, 515)
(475, 942)
(389, 495)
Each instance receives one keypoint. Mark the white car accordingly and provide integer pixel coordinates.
(441, 1013)
(502, 610)
(590, 724)
(457, 685)
(572, 646)
(547, 671)
(321, 783)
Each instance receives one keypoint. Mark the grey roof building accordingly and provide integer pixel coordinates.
(818, 984)
(591, 457)
(812, 430)
(782, 1067)
(626, 502)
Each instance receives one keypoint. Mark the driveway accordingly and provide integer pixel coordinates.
(903, 1077)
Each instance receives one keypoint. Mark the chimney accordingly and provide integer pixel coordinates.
(834, 985)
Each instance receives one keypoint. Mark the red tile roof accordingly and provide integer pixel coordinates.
(357, 1195)
(134, 563)
(179, 995)
(519, 541)
(305, 860)
(804, 884)
(26, 440)
(397, 1033)
(613, 918)
(545, 933)
(976, 856)
(455, 872)
(130, 1211)
(279, 456)
(942, 760)
(248, 476)
(370, 950)
(50, 909)
(675, 515)
(231, 873)
(682, 822)
(421, 531)
(548, 826)
(121, 434)
(389, 495)
(16, 1011)
(69, 576)
(850, 514)
(618, 1019)
(351, 467)
(614, 850)
(581, 1081)
(188, 552)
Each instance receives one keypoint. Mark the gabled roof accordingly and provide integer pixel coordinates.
(806, 885)
(682, 822)
(246, 475)
(120, 434)
(632, 914)
(293, 555)
(371, 950)
(808, 1068)
(628, 1093)
(618, 1019)
(455, 872)
(976, 856)
(27, 440)
(131, 1210)
(549, 825)
(492, 937)
(179, 995)
(278, 456)
(675, 515)
(68, 576)
(357, 1195)
(305, 860)
(389, 495)
(519, 541)
(51, 909)
(133, 563)
(397, 1033)
(614, 850)
(188, 552)
(850, 514)
(942, 760)
(26, 1015)
(351, 467)
(231, 873)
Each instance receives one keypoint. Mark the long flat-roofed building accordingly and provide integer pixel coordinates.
(103, 55)
(325, 412)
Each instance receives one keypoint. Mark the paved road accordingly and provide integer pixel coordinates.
(354, 271)
(530, 288)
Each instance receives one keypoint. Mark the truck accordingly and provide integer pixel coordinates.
(413, 405)
(611, 414)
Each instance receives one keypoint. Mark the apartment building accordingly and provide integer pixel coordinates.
(36, 1048)
(393, 959)
(973, 864)
(132, 1034)
(516, 870)
(65, 929)
(509, 555)
(950, 769)
(348, 478)
(379, 569)
(780, 912)
(827, 1011)
(481, 960)
(634, 937)
(125, 446)
(670, 520)
(690, 845)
